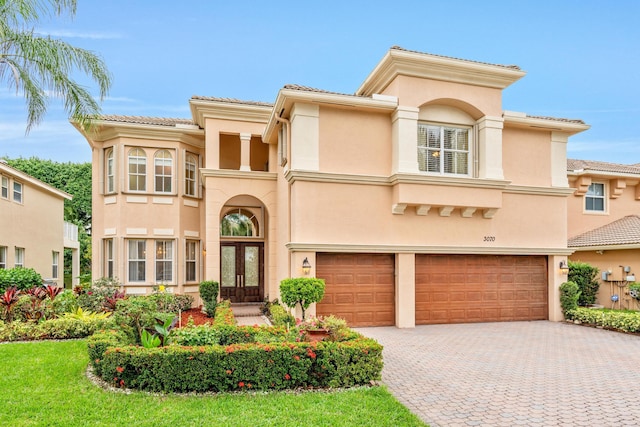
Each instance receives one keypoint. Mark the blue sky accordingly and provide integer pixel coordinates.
(581, 57)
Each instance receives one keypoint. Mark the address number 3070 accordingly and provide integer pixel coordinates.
(489, 239)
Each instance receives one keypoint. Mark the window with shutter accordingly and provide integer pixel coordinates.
(443, 149)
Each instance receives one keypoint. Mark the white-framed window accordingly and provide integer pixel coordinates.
(595, 197)
(19, 258)
(5, 188)
(190, 167)
(3, 257)
(17, 192)
(109, 169)
(137, 170)
(443, 149)
(191, 261)
(108, 258)
(54, 264)
(164, 261)
(137, 260)
(163, 163)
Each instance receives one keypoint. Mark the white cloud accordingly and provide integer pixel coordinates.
(97, 35)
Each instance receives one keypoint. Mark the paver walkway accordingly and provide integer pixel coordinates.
(515, 373)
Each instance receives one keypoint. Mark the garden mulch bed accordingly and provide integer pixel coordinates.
(199, 318)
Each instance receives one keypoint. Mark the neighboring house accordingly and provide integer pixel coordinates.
(418, 198)
(33, 233)
(604, 225)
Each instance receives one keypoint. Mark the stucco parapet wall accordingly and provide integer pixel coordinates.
(517, 119)
(466, 250)
(287, 97)
(237, 174)
(423, 65)
(217, 108)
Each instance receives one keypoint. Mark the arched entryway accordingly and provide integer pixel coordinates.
(242, 237)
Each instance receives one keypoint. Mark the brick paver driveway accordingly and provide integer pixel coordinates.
(516, 373)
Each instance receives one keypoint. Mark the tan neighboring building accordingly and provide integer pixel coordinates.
(33, 233)
(604, 225)
(418, 198)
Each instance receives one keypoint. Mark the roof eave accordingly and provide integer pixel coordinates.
(521, 120)
(34, 181)
(203, 109)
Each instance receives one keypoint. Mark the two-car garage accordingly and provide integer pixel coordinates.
(448, 288)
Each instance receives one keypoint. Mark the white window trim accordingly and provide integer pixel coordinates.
(163, 161)
(4, 192)
(469, 151)
(195, 174)
(130, 174)
(170, 260)
(19, 257)
(605, 205)
(21, 192)
(109, 257)
(55, 263)
(3, 257)
(192, 261)
(110, 175)
(136, 260)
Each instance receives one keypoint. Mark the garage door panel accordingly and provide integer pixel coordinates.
(495, 288)
(359, 288)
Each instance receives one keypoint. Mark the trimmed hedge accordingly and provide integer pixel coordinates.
(280, 316)
(625, 321)
(238, 367)
(209, 291)
(60, 328)
(224, 314)
(21, 278)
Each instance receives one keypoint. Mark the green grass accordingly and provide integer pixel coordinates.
(44, 384)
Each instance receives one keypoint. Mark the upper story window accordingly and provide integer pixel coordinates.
(5, 188)
(17, 192)
(137, 170)
(163, 163)
(190, 175)
(443, 149)
(109, 171)
(239, 222)
(594, 199)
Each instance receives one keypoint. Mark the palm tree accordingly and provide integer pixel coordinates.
(40, 66)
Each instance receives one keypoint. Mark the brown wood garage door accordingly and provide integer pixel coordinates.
(359, 288)
(480, 288)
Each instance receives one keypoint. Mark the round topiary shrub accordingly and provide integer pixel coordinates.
(301, 290)
(569, 296)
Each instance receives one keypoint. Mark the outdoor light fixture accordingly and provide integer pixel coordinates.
(564, 268)
(306, 266)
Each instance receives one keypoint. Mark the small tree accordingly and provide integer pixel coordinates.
(209, 291)
(301, 290)
(585, 276)
(569, 295)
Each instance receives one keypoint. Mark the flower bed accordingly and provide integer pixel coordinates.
(235, 358)
(625, 321)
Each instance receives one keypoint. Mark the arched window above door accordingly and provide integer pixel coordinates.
(239, 223)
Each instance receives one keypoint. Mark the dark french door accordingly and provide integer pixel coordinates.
(242, 271)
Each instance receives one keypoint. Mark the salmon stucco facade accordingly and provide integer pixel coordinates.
(418, 198)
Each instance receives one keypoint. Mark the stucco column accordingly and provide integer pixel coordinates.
(559, 159)
(556, 278)
(212, 145)
(406, 290)
(305, 137)
(245, 151)
(490, 147)
(404, 140)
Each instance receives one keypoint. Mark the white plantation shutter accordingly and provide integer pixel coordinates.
(443, 150)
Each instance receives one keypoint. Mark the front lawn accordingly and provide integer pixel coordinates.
(44, 383)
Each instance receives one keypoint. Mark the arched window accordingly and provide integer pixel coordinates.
(109, 171)
(190, 175)
(163, 163)
(137, 170)
(239, 223)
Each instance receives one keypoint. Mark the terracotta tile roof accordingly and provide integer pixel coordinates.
(592, 165)
(159, 121)
(231, 100)
(511, 67)
(625, 231)
(313, 89)
(558, 119)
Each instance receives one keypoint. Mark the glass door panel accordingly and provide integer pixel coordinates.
(251, 266)
(228, 267)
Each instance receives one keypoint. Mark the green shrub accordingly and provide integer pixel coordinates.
(92, 297)
(611, 319)
(61, 328)
(569, 295)
(244, 366)
(171, 303)
(585, 276)
(65, 302)
(135, 314)
(224, 314)
(301, 290)
(21, 278)
(209, 291)
(98, 343)
(280, 316)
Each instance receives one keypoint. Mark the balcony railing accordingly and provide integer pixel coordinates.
(70, 232)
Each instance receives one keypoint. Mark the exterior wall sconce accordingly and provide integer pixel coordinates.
(306, 266)
(564, 268)
(204, 252)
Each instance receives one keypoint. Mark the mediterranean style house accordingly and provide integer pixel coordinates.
(33, 233)
(418, 198)
(604, 225)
